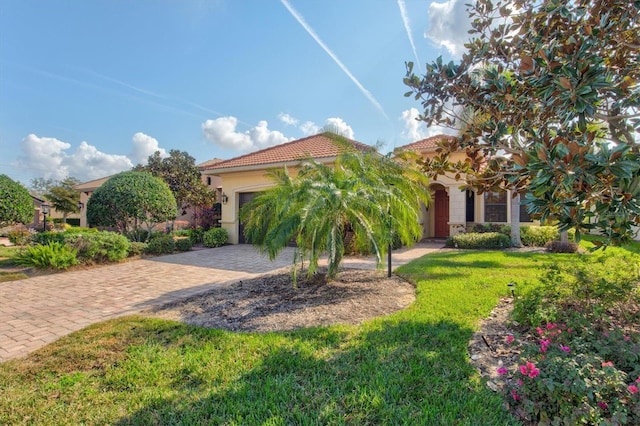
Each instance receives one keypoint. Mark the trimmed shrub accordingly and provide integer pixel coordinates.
(474, 240)
(99, 247)
(46, 237)
(196, 234)
(483, 228)
(20, 237)
(161, 244)
(52, 255)
(215, 237)
(538, 236)
(136, 248)
(183, 244)
(560, 247)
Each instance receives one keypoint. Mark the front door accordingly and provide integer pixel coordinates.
(441, 213)
(243, 198)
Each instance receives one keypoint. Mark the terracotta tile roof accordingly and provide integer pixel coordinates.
(425, 144)
(322, 145)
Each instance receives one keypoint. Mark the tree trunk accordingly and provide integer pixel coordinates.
(564, 237)
(515, 221)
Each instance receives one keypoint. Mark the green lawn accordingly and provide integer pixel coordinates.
(6, 261)
(407, 368)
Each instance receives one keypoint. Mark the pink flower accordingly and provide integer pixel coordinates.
(515, 395)
(564, 348)
(626, 338)
(520, 382)
(607, 364)
(603, 405)
(509, 339)
(529, 370)
(539, 330)
(551, 326)
(502, 371)
(632, 388)
(544, 345)
(638, 380)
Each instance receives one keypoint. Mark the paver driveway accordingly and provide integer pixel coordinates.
(39, 310)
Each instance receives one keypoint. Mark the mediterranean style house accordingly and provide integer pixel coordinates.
(452, 210)
(237, 180)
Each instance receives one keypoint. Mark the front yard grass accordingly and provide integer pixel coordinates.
(411, 367)
(8, 268)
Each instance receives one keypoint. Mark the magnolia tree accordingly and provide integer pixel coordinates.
(131, 200)
(552, 89)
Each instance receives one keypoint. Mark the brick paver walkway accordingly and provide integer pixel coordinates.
(39, 310)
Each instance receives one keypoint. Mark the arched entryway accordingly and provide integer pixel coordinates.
(440, 212)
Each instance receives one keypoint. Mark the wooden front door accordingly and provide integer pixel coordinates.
(441, 213)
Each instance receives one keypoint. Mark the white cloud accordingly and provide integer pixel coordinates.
(222, 132)
(448, 25)
(309, 128)
(51, 158)
(287, 119)
(337, 125)
(143, 147)
(415, 130)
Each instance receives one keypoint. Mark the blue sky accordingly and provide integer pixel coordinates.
(90, 88)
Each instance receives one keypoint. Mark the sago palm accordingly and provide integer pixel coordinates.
(377, 196)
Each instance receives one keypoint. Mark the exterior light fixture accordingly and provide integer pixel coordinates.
(80, 205)
(44, 208)
(225, 198)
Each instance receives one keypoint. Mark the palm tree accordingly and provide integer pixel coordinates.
(378, 197)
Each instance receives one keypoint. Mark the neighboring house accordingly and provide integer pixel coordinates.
(453, 210)
(244, 176)
(38, 216)
(86, 189)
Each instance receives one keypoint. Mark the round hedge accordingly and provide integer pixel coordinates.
(16, 205)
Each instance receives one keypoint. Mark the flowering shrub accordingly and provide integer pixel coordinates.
(555, 384)
(580, 358)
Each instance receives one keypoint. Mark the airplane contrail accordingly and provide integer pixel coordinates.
(407, 27)
(333, 56)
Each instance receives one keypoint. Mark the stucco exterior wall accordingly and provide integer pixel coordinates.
(235, 183)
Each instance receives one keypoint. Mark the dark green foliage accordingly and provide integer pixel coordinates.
(196, 235)
(99, 247)
(16, 205)
(161, 244)
(46, 237)
(129, 200)
(472, 240)
(215, 237)
(53, 255)
(482, 228)
(136, 248)
(183, 244)
(180, 173)
(20, 237)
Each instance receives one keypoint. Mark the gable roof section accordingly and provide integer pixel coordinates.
(428, 144)
(322, 145)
